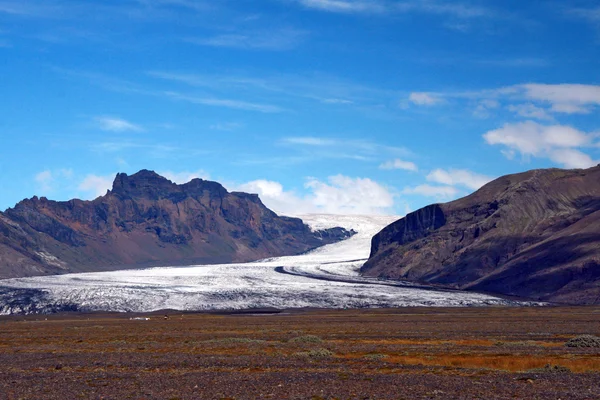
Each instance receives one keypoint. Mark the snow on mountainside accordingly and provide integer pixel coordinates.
(325, 277)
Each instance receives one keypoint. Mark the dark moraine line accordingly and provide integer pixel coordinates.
(282, 270)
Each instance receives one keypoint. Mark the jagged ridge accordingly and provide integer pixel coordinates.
(147, 220)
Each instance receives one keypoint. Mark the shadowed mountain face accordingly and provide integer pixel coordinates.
(534, 234)
(147, 220)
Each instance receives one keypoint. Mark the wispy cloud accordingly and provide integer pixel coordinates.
(559, 143)
(49, 180)
(454, 9)
(565, 98)
(285, 39)
(123, 86)
(346, 6)
(424, 99)
(358, 149)
(530, 110)
(438, 192)
(324, 89)
(227, 103)
(311, 141)
(104, 81)
(195, 5)
(458, 177)
(153, 150)
(306, 149)
(115, 124)
(29, 8)
(44, 180)
(447, 184)
(589, 14)
(517, 62)
(94, 186)
(531, 100)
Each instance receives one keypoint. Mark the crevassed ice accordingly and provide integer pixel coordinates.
(325, 277)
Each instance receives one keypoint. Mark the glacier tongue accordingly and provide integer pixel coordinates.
(326, 277)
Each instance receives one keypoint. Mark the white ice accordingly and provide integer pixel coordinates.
(326, 277)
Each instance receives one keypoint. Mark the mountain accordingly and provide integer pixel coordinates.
(535, 234)
(147, 220)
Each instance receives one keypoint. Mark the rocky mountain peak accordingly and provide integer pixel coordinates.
(150, 185)
(147, 220)
(144, 183)
(534, 234)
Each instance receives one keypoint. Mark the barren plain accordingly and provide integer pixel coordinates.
(402, 353)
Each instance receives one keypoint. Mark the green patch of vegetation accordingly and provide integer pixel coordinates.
(316, 353)
(375, 356)
(556, 369)
(584, 341)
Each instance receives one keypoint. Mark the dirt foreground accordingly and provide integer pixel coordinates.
(408, 353)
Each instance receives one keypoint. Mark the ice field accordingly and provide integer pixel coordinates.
(326, 277)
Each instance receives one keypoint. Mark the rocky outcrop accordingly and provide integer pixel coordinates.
(534, 234)
(147, 220)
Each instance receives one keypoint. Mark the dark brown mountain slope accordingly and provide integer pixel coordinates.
(534, 234)
(148, 220)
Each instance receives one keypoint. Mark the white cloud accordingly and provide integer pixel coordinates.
(557, 142)
(338, 195)
(566, 108)
(530, 110)
(565, 98)
(95, 185)
(532, 138)
(115, 124)
(458, 177)
(532, 100)
(424, 99)
(184, 176)
(572, 158)
(48, 180)
(440, 192)
(399, 164)
(484, 107)
(44, 179)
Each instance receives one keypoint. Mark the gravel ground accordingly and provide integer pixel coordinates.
(422, 353)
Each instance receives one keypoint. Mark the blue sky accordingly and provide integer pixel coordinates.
(366, 106)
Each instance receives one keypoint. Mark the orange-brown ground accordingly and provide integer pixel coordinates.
(425, 353)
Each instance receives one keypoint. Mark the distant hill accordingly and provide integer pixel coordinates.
(147, 220)
(534, 234)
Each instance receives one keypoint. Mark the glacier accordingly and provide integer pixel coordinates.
(327, 277)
